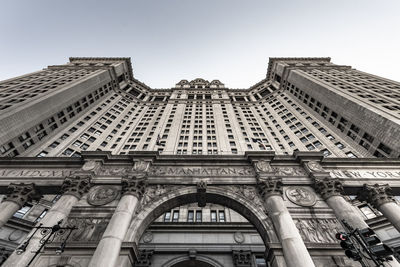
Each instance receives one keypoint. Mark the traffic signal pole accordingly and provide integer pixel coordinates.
(364, 246)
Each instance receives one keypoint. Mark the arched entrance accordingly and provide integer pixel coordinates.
(185, 261)
(243, 199)
(192, 263)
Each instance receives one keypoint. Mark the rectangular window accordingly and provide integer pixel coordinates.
(199, 216)
(213, 216)
(41, 215)
(175, 216)
(167, 216)
(22, 211)
(190, 216)
(221, 216)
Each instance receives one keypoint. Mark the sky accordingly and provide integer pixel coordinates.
(171, 40)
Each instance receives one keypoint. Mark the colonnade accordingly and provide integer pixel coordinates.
(133, 188)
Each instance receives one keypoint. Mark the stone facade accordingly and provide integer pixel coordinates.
(199, 174)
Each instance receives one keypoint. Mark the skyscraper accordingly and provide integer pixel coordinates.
(307, 124)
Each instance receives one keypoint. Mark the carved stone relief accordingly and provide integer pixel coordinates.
(248, 192)
(106, 171)
(301, 196)
(147, 237)
(89, 229)
(153, 193)
(318, 230)
(315, 166)
(141, 166)
(90, 165)
(102, 194)
(290, 171)
(238, 237)
(15, 235)
(263, 166)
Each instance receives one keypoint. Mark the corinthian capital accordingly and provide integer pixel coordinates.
(22, 193)
(376, 194)
(76, 185)
(328, 187)
(269, 187)
(134, 186)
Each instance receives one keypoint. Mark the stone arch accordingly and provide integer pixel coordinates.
(251, 209)
(185, 258)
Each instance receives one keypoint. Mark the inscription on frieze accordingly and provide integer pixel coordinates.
(202, 171)
(365, 174)
(35, 172)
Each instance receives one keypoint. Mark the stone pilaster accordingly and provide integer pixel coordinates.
(17, 196)
(381, 197)
(108, 249)
(294, 249)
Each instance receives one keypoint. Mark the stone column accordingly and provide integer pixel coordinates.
(17, 196)
(381, 198)
(294, 249)
(108, 249)
(73, 188)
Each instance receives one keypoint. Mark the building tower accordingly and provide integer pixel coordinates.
(192, 174)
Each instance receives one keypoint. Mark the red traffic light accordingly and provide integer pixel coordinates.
(342, 236)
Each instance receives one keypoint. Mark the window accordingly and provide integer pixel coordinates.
(175, 216)
(190, 216)
(41, 215)
(260, 261)
(367, 211)
(221, 216)
(339, 145)
(21, 212)
(42, 154)
(199, 216)
(351, 155)
(167, 216)
(213, 216)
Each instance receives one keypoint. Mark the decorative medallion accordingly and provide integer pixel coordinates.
(301, 196)
(89, 165)
(239, 237)
(147, 237)
(315, 166)
(15, 235)
(141, 166)
(102, 194)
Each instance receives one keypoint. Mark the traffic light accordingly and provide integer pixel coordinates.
(374, 244)
(348, 246)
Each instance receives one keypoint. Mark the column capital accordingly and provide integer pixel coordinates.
(328, 187)
(269, 187)
(134, 186)
(22, 193)
(376, 194)
(76, 185)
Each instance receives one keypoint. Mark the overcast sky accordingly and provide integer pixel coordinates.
(226, 40)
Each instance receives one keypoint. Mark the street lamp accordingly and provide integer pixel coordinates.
(48, 236)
